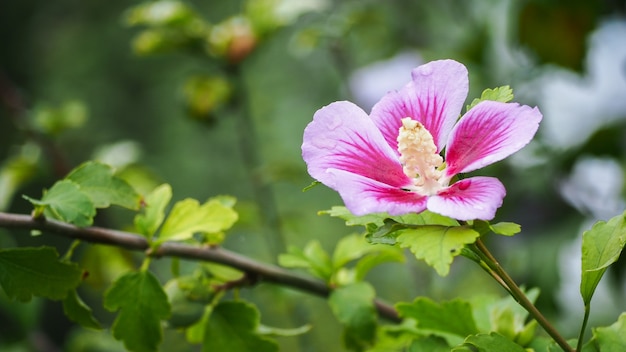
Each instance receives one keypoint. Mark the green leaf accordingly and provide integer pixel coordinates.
(601, 247)
(354, 246)
(66, 202)
(424, 218)
(612, 338)
(185, 311)
(452, 317)
(490, 342)
(430, 344)
(354, 220)
(505, 316)
(76, 310)
(272, 331)
(386, 234)
(27, 272)
(506, 228)
(353, 305)
(502, 94)
(367, 263)
(98, 182)
(313, 257)
(232, 326)
(195, 333)
(154, 210)
(142, 304)
(189, 217)
(501, 228)
(437, 244)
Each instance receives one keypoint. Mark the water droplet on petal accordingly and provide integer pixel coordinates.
(335, 123)
(324, 143)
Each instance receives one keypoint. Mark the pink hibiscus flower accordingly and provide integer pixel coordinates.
(390, 161)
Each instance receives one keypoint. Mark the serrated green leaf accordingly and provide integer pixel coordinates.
(142, 304)
(601, 247)
(232, 326)
(77, 311)
(354, 220)
(424, 218)
(445, 318)
(490, 342)
(437, 245)
(154, 210)
(98, 182)
(353, 305)
(66, 202)
(27, 272)
(612, 338)
(188, 217)
(502, 94)
(386, 234)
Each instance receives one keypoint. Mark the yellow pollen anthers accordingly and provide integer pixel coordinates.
(418, 155)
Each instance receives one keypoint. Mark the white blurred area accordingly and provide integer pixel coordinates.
(370, 83)
(594, 187)
(575, 106)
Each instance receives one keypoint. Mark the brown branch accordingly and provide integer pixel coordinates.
(264, 272)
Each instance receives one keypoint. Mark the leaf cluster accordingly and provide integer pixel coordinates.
(431, 237)
(75, 198)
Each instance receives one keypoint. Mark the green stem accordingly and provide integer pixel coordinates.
(479, 258)
(146, 263)
(70, 251)
(581, 335)
(520, 297)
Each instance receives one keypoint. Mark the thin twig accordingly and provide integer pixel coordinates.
(264, 272)
(521, 298)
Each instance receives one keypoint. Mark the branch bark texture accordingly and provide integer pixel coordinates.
(258, 270)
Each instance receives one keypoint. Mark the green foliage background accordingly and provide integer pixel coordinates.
(65, 51)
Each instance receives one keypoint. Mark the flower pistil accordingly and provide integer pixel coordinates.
(419, 158)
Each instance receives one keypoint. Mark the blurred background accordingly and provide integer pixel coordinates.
(212, 97)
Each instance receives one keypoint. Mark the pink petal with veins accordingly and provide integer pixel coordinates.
(343, 137)
(489, 132)
(362, 195)
(434, 97)
(472, 198)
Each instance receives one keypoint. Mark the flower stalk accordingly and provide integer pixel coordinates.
(505, 280)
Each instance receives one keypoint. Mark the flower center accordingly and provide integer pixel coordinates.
(419, 157)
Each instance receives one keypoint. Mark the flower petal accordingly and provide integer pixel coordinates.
(489, 132)
(363, 196)
(434, 97)
(342, 136)
(468, 199)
